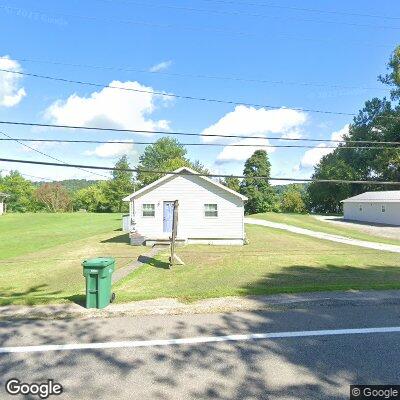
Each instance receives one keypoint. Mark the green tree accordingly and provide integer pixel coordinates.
(231, 183)
(166, 154)
(293, 200)
(21, 192)
(120, 185)
(393, 77)
(261, 196)
(93, 198)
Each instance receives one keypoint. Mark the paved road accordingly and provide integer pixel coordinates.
(325, 236)
(308, 367)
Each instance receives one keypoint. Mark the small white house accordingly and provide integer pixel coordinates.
(3, 196)
(377, 207)
(208, 212)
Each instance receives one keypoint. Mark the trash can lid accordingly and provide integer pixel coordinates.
(100, 262)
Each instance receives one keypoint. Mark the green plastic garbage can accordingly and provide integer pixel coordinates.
(98, 273)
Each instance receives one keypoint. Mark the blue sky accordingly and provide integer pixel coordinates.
(325, 61)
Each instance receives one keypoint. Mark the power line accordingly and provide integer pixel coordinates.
(29, 176)
(130, 142)
(257, 15)
(313, 10)
(93, 128)
(202, 76)
(47, 155)
(185, 97)
(198, 174)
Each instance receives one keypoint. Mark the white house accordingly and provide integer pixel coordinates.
(3, 196)
(208, 212)
(377, 207)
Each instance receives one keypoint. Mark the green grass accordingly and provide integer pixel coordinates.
(274, 262)
(41, 254)
(310, 222)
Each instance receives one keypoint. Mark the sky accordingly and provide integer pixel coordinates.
(289, 54)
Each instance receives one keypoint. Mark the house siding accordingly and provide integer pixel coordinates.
(372, 212)
(192, 192)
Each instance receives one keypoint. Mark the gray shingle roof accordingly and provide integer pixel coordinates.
(387, 195)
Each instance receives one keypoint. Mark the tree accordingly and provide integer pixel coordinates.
(121, 184)
(261, 196)
(393, 77)
(231, 183)
(292, 200)
(21, 192)
(93, 198)
(54, 197)
(166, 154)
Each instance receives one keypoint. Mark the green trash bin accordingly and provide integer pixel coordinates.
(98, 272)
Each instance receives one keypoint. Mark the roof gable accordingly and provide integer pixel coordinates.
(387, 195)
(180, 172)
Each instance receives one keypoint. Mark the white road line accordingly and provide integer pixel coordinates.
(194, 340)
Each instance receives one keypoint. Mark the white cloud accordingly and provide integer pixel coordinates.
(109, 150)
(10, 91)
(109, 107)
(239, 153)
(161, 66)
(313, 156)
(251, 121)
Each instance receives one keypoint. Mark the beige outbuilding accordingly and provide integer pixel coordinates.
(377, 207)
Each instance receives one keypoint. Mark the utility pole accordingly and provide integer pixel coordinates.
(174, 259)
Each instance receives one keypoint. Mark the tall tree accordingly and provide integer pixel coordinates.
(21, 192)
(292, 199)
(261, 196)
(166, 154)
(54, 197)
(93, 198)
(392, 78)
(120, 185)
(231, 183)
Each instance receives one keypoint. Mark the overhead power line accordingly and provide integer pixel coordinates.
(172, 95)
(27, 175)
(131, 142)
(257, 15)
(147, 171)
(48, 155)
(203, 76)
(313, 10)
(93, 128)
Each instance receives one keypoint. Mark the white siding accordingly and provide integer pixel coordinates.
(192, 192)
(372, 212)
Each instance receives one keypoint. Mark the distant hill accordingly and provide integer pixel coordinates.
(72, 185)
(280, 189)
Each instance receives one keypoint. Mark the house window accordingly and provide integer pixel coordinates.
(360, 208)
(149, 210)
(210, 210)
(383, 208)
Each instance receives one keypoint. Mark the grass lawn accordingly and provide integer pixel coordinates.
(310, 222)
(275, 261)
(41, 254)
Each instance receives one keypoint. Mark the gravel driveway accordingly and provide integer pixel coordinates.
(391, 232)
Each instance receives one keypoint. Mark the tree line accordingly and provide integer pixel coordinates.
(379, 120)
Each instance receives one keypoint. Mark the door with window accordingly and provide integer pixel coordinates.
(168, 216)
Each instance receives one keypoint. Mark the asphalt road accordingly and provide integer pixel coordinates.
(309, 367)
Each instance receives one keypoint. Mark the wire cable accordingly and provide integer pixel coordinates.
(49, 156)
(90, 128)
(178, 96)
(365, 182)
(130, 142)
(202, 76)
